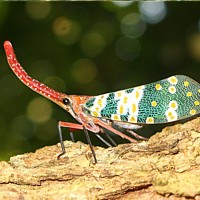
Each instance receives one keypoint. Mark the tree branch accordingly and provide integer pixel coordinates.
(166, 166)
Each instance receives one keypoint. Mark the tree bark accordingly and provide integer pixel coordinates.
(167, 166)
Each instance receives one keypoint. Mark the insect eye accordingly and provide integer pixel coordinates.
(66, 101)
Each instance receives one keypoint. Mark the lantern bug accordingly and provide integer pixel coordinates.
(167, 100)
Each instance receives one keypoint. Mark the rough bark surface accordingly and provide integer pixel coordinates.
(165, 167)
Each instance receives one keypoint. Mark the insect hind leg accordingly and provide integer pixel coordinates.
(108, 127)
(129, 128)
(103, 140)
(136, 135)
(111, 140)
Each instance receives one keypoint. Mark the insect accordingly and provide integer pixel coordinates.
(167, 100)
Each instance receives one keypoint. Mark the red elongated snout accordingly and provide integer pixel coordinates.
(35, 85)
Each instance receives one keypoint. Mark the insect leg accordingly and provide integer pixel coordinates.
(111, 140)
(105, 125)
(90, 144)
(136, 135)
(75, 127)
(103, 140)
(72, 136)
(70, 126)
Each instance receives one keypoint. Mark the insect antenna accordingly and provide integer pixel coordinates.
(90, 144)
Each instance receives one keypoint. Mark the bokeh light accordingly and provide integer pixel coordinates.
(127, 49)
(106, 29)
(122, 3)
(8, 86)
(171, 55)
(39, 110)
(84, 70)
(66, 30)
(153, 12)
(194, 46)
(56, 83)
(132, 25)
(3, 125)
(92, 44)
(38, 10)
(22, 127)
(198, 25)
(41, 69)
(49, 130)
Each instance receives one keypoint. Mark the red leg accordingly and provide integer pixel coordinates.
(72, 127)
(105, 125)
(136, 135)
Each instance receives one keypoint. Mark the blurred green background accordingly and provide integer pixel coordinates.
(87, 48)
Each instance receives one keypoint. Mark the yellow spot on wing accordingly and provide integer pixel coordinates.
(119, 94)
(199, 90)
(173, 80)
(172, 89)
(97, 108)
(132, 119)
(196, 103)
(137, 94)
(121, 109)
(173, 105)
(150, 120)
(189, 94)
(154, 103)
(171, 115)
(100, 103)
(134, 108)
(140, 87)
(172, 118)
(125, 100)
(186, 83)
(95, 114)
(158, 87)
(115, 117)
(193, 112)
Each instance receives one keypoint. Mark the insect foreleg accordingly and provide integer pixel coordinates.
(71, 126)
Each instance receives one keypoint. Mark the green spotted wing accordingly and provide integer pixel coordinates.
(170, 99)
